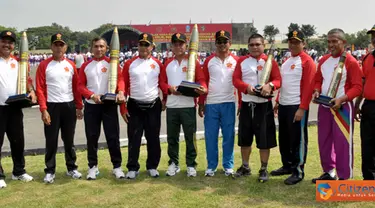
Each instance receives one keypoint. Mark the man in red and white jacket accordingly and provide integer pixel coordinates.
(292, 109)
(142, 83)
(181, 109)
(60, 104)
(94, 76)
(218, 105)
(336, 123)
(11, 117)
(256, 113)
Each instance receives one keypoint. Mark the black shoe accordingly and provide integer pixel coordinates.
(324, 176)
(281, 171)
(263, 176)
(293, 179)
(243, 171)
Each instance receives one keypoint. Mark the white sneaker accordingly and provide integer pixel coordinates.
(228, 171)
(2, 184)
(132, 174)
(172, 169)
(153, 173)
(92, 173)
(50, 178)
(24, 177)
(74, 174)
(191, 172)
(118, 173)
(209, 173)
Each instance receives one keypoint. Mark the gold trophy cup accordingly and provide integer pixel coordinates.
(265, 74)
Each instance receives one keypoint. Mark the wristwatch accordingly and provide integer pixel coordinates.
(272, 85)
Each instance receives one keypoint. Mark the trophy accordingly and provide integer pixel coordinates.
(114, 50)
(21, 99)
(188, 87)
(333, 86)
(265, 74)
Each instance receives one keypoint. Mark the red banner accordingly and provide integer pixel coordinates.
(163, 33)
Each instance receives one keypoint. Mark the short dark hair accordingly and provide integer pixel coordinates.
(255, 36)
(337, 31)
(97, 39)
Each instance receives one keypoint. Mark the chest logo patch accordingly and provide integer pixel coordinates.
(104, 70)
(293, 67)
(184, 69)
(259, 67)
(152, 66)
(229, 65)
(12, 65)
(66, 69)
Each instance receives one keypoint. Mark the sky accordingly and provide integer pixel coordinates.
(85, 15)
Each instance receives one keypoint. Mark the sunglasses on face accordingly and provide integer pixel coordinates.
(221, 42)
(254, 44)
(144, 44)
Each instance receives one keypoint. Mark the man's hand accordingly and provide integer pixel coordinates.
(358, 113)
(163, 105)
(315, 95)
(32, 96)
(299, 115)
(173, 90)
(96, 99)
(201, 90)
(266, 90)
(276, 110)
(126, 117)
(79, 114)
(338, 102)
(251, 90)
(46, 118)
(120, 97)
(201, 109)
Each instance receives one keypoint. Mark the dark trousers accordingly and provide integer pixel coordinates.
(63, 116)
(11, 123)
(368, 140)
(293, 139)
(187, 118)
(149, 121)
(94, 115)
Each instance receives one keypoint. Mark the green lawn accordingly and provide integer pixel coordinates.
(178, 191)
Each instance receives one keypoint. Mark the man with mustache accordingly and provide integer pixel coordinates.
(336, 123)
(11, 118)
(60, 104)
(142, 77)
(366, 114)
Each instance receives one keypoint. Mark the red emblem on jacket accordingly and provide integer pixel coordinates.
(229, 65)
(184, 69)
(292, 67)
(152, 66)
(12, 66)
(104, 70)
(66, 69)
(259, 67)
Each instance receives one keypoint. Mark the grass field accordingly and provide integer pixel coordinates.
(178, 191)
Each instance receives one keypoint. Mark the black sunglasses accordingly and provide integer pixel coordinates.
(221, 42)
(144, 44)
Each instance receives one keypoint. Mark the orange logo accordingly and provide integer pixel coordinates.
(345, 190)
(222, 33)
(184, 69)
(229, 65)
(66, 69)
(293, 67)
(259, 67)
(104, 70)
(12, 66)
(152, 66)
(58, 36)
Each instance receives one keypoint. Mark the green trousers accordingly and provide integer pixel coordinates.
(187, 118)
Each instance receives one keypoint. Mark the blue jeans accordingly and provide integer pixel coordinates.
(219, 115)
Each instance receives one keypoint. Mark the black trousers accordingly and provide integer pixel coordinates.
(368, 140)
(11, 123)
(94, 115)
(63, 116)
(149, 121)
(293, 139)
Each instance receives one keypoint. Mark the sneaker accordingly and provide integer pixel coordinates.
(92, 173)
(118, 173)
(172, 169)
(131, 174)
(324, 176)
(281, 171)
(292, 180)
(2, 183)
(24, 177)
(243, 171)
(191, 172)
(74, 174)
(153, 173)
(263, 176)
(209, 173)
(228, 171)
(50, 178)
